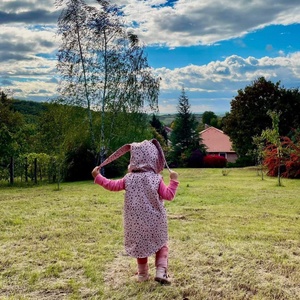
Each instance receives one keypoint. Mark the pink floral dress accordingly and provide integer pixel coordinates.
(145, 217)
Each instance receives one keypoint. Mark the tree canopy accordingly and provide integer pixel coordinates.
(185, 137)
(249, 113)
(11, 123)
(103, 68)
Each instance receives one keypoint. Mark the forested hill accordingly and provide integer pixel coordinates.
(167, 119)
(29, 108)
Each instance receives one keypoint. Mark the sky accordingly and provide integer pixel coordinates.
(212, 48)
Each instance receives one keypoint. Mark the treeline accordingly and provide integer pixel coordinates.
(61, 133)
(263, 125)
(51, 141)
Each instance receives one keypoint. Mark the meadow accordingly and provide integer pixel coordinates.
(230, 237)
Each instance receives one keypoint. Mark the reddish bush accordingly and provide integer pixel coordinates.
(292, 163)
(289, 161)
(214, 161)
(271, 160)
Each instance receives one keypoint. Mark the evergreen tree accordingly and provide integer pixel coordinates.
(185, 137)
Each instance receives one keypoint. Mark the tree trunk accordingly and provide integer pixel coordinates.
(11, 170)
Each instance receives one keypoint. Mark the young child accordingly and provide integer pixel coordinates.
(145, 218)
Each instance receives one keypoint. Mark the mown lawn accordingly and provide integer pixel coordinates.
(231, 237)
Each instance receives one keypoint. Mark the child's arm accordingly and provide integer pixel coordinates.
(169, 192)
(108, 184)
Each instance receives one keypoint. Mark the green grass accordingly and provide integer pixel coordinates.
(231, 237)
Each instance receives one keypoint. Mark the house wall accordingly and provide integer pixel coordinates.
(218, 143)
(232, 157)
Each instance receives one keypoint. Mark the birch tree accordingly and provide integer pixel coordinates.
(103, 67)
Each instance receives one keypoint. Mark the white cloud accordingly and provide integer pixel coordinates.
(187, 22)
(226, 77)
(192, 22)
(233, 68)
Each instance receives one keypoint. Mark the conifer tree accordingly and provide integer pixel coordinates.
(185, 137)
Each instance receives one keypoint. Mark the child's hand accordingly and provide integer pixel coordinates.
(173, 175)
(95, 171)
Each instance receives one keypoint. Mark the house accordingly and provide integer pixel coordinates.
(218, 143)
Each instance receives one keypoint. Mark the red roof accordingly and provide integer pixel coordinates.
(216, 140)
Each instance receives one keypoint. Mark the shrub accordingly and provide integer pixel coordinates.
(214, 161)
(289, 162)
(79, 162)
(196, 159)
(118, 167)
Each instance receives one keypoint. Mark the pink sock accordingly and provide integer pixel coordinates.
(142, 265)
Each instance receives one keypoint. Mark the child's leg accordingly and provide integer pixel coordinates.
(161, 263)
(142, 269)
(161, 257)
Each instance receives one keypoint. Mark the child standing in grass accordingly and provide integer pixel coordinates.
(145, 218)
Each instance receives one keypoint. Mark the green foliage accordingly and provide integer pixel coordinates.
(79, 162)
(272, 136)
(42, 166)
(244, 161)
(31, 110)
(62, 133)
(208, 117)
(159, 127)
(248, 115)
(259, 143)
(33, 167)
(11, 128)
(185, 136)
(103, 68)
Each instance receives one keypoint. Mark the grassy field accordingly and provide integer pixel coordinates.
(231, 237)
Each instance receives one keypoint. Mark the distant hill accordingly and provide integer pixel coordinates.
(31, 110)
(167, 119)
(29, 107)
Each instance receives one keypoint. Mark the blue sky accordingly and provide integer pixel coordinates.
(211, 47)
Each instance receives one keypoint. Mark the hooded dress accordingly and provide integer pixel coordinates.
(145, 217)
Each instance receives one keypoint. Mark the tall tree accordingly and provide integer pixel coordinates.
(211, 119)
(74, 58)
(185, 137)
(248, 115)
(208, 117)
(103, 67)
(11, 126)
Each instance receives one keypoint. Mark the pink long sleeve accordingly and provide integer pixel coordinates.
(168, 192)
(109, 184)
